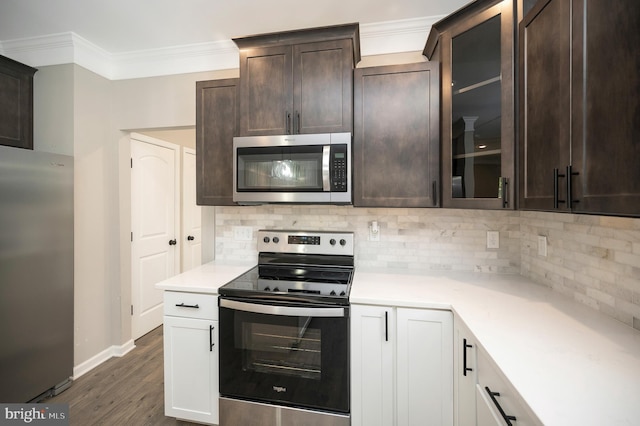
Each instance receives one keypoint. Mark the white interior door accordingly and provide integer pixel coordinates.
(191, 213)
(155, 222)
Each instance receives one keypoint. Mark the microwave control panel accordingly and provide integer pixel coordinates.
(338, 168)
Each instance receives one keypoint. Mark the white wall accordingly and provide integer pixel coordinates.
(97, 261)
(53, 109)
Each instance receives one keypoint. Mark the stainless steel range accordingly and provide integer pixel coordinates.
(284, 332)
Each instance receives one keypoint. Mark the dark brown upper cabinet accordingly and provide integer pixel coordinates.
(298, 82)
(16, 104)
(475, 46)
(216, 125)
(396, 136)
(580, 107)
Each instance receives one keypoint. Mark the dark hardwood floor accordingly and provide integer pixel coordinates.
(127, 391)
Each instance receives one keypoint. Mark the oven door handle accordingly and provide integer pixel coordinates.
(289, 311)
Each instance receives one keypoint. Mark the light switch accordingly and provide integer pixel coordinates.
(542, 245)
(493, 239)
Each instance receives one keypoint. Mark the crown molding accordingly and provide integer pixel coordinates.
(405, 35)
(190, 58)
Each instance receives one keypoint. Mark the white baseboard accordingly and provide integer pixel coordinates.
(98, 359)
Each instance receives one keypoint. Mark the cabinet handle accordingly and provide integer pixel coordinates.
(556, 175)
(504, 191)
(570, 173)
(287, 118)
(506, 417)
(297, 122)
(211, 344)
(386, 326)
(434, 193)
(464, 357)
(182, 305)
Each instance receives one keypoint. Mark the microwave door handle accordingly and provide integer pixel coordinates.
(326, 156)
(288, 311)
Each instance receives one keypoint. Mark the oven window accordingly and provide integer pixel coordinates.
(277, 168)
(282, 350)
(299, 361)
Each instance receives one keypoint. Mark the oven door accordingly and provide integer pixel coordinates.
(296, 355)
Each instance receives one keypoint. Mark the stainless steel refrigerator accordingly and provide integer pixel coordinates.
(36, 273)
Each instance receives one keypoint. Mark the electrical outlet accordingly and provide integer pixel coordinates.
(542, 245)
(242, 233)
(493, 239)
(374, 231)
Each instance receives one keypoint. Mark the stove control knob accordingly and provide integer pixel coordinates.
(343, 242)
(342, 293)
(333, 293)
(276, 289)
(276, 240)
(265, 239)
(267, 289)
(332, 242)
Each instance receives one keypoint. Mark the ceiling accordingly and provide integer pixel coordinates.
(119, 26)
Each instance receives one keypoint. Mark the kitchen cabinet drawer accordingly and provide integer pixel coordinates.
(491, 379)
(191, 305)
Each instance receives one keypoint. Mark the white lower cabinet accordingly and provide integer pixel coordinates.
(464, 375)
(497, 401)
(474, 373)
(191, 356)
(401, 366)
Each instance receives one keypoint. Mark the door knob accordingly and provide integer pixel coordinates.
(173, 242)
(191, 238)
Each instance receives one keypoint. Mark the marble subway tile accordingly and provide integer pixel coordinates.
(593, 259)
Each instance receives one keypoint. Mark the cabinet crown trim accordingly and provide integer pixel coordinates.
(452, 19)
(335, 32)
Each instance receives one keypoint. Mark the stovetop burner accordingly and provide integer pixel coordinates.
(298, 266)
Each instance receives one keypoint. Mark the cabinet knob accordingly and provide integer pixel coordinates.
(191, 238)
(173, 242)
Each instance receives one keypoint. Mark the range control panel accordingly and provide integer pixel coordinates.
(308, 242)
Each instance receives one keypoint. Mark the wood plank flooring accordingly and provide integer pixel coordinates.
(126, 391)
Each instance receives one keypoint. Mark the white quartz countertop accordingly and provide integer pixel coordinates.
(205, 278)
(571, 364)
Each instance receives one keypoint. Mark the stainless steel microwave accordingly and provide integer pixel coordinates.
(314, 168)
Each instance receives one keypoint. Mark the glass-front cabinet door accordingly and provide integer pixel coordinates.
(478, 129)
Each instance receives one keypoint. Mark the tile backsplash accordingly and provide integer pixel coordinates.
(593, 259)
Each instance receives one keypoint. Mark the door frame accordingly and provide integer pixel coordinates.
(177, 209)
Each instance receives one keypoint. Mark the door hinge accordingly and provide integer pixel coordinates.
(131, 310)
